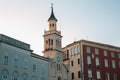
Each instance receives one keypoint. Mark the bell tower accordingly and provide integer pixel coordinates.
(52, 46)
(52, 38)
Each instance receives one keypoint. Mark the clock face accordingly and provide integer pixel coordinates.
(58, 59)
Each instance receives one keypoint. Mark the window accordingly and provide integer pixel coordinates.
(34, 67)
(79, 75)
(15, 75)
(98, 75)
(78, 60)
(43, 68)
(89, 74)
(67, 53)
(78, 49)
(24, 77)
(52, 24)
(97, 61)
(16, 60)
(72, 64)
(25, 62)
(112, 54)
(5, 59)
(4, 74)
(113, 64)
(72, 75)
(51, 41)
(92, 56)
(119, 64)
(4, 77)
(58, 67)
(107, 76)
(106, 62)
(115, 76)
(105, 53)
(96, 51)
(88, 49)
(119, 55)
(15, 78)
(88, 60)
(71, 52)
(75, 50)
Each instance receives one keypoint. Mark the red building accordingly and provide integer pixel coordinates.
(97, 61)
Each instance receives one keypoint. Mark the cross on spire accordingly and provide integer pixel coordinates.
(51, 5)
(52, 17)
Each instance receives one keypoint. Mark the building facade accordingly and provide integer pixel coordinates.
(92, 61)
(18, 62)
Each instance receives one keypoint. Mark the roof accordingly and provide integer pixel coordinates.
(52, 16)
(14, 42)
(101, 44)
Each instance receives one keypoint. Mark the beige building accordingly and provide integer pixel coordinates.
(72, 57)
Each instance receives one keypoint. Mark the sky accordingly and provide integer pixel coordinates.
(94, 20)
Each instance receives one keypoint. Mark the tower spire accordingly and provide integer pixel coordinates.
(52, 17)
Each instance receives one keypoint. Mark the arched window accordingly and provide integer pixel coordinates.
(4, 74)
(51, 41)
(97, 61)
(53, 25)
(24, 76)
(50, 25)
(88, 60)
(15, 75)
(46, 42)
(59, 78)
(34, 78)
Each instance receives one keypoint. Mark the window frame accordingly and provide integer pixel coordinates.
(88, 50)
(96, 51)
(97, 61)
(106, 62)
(113, 64)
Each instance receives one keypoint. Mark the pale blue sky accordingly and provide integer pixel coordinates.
(94, 20)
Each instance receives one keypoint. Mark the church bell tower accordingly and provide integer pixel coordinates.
(52, 38)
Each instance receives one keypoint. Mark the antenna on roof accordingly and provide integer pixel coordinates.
(74, 39)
